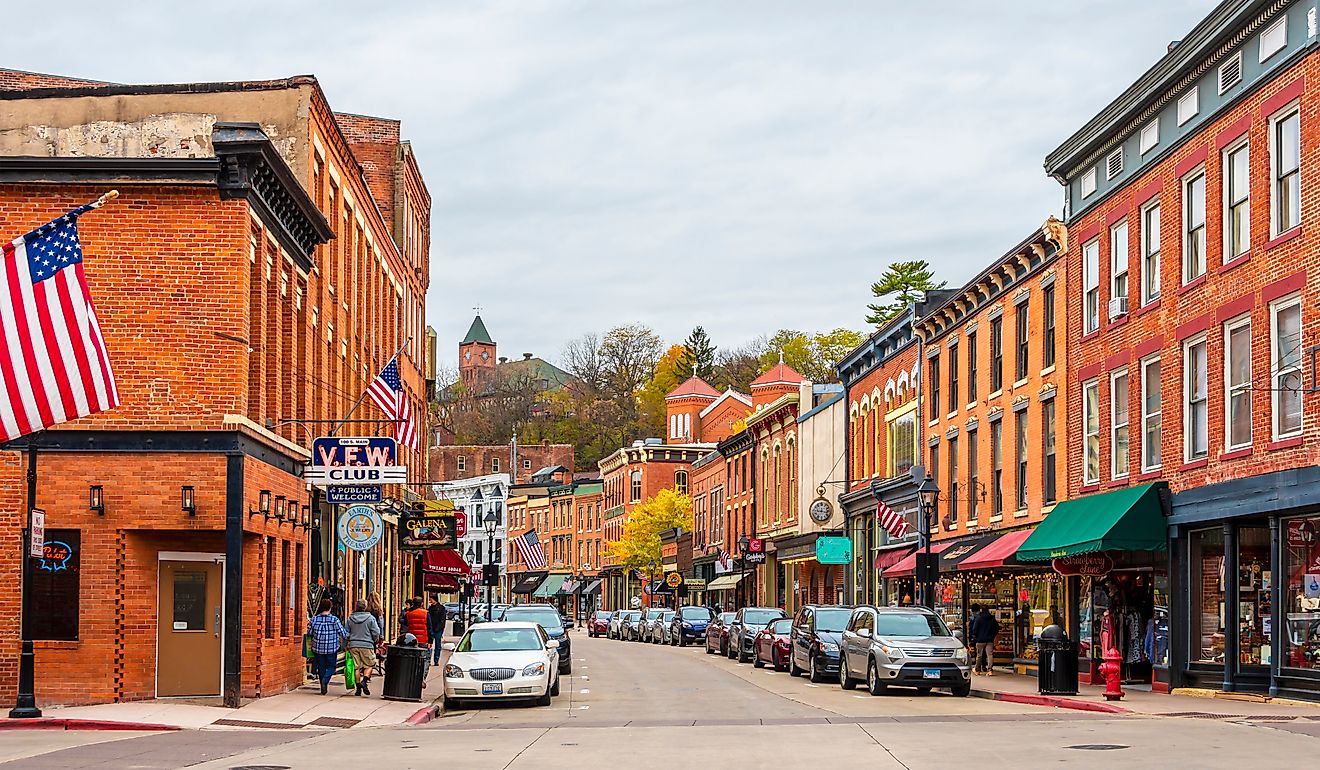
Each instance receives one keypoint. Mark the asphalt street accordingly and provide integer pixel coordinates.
(681, 707)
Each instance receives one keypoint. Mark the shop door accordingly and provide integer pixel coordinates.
(188, 628)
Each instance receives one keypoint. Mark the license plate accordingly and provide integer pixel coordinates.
(492, 688)
(930, 673)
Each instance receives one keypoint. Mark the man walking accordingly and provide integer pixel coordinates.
(327, 634)
(983, 632)
(416, 622)
(435, 627)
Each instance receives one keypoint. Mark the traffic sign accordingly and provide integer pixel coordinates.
(37, 533)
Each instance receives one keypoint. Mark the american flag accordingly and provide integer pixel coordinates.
(894, 523)
(53, 362)
(387, 391)
(724, 561)
(529, 548)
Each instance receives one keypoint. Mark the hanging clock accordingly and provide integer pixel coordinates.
(821, 511)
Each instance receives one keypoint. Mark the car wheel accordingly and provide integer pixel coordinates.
(962, 690)
(554, 688)
(450, 704)
(742, 656)
(774, 659)
(793, 669)
(873, 683)
(544, 700)
(709, 651)
(846, 681)
(756, 659)
(813, 674)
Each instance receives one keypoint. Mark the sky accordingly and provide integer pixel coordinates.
(746, 166)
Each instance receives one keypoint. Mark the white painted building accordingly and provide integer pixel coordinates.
(477, 497)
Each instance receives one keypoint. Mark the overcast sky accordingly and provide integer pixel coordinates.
(747, 166)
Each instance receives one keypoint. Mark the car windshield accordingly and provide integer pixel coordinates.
(602, 615)
(781, 626)
(547, 618)
(696, 613)
(666, 616)
(832, 620)
(500, 640)
(726, 617)
(760, 617)
(634, 616)
(912, 624)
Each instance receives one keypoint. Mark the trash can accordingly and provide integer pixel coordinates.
(403, 673)
(1056, 668)
(459, 626)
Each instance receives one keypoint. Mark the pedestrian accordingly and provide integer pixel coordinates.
(416, 620)
(327, 634)
(377, 609)
(363, 634)
(435, 627)
(984, 629)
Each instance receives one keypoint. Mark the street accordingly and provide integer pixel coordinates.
(626, 701)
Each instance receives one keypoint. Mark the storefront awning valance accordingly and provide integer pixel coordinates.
(908, 565)
(528, 582)
(550, 587)
(445, 562)
(1129, 519)
(435, 581)
(724, 582)
(592, 587)
(1000, 553)
(888, 558)
(952, 558)
(610, 570)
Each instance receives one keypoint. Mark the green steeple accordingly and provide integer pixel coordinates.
(477, 333)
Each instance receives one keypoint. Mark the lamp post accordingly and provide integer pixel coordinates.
(490, 523)
(929, 494)
(744, 543)
(650, 582)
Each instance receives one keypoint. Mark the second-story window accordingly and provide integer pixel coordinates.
(1194, 226)
(1196, 428)
(996, 468)
(1286, 366)
(1048, 469)
(902, 443)
(971, 367)
(1152, 412)
(1237, 202)
(1091, 432)
(996, 354)
(1286, 162)
(973, 487)
(681, 482)
(953, 481)
(636, 478)
(953, 379)
(494, 465)
(1023, 336)
(1237, 383)
(1020, 425)
(1118, 423)
(1091, 286)
(933, 363)
(1150, 253)
(462, 463)
(1047, 321)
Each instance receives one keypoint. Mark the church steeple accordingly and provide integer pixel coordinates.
(476, 353)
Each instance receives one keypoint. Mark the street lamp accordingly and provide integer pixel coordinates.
(929, 494)
(650, 582)
(744, 543)
(490, 523)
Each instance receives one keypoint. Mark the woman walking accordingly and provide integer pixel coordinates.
(363, 634)
(327, 634)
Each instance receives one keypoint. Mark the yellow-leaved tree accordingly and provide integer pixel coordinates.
(640, 542)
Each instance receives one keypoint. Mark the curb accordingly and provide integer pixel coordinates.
(82, 724)
(424, 715)
(1050, 701)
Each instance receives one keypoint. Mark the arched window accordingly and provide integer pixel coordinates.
(878, 437)
(864, 431)
(636, 486)
(779, 486)
(764, 502)
(792, 480)
(681, 482)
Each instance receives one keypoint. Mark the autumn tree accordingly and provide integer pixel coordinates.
(811, 355)
(669, 374)
(640, 541)
(737, 367)
(698, 355)
(901, 284)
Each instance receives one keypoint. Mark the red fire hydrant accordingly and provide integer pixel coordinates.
(1111, 670)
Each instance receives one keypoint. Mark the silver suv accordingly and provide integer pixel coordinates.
(905, 646)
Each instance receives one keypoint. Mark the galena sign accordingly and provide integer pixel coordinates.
(359, 460)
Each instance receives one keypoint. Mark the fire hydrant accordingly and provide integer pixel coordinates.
(1111, 670)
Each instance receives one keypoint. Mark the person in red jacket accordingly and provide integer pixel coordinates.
(415, 624)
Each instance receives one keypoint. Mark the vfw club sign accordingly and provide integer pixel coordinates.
(355, 460)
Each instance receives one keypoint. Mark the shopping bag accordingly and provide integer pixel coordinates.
(350, 673)
(307, 647)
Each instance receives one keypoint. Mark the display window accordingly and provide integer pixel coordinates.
(1302, 592)
(1127, 611)
(949, 603)
(1207, 593)
(1253, 587)
(996, 594)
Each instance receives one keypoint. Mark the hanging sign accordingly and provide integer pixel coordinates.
(355, 460)
(831, 549)
(37, 533)
(673, 580)
(429, 525)
(353, 495)
(360, 528)
(1087, 565)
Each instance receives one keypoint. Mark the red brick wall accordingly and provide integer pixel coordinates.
(17, 80)
(444, 460)
(1246, 285)
(375, 143)
(868, 453)
(718, 424)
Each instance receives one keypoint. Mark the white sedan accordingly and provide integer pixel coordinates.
(502, 661)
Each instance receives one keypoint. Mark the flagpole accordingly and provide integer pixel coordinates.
(363, 396)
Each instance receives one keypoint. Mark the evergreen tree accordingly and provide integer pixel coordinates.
(909, 281)
(698, 351)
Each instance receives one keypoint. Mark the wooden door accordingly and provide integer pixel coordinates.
(188, 628)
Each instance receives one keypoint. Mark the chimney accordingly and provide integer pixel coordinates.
(504, 359)
(527, 356)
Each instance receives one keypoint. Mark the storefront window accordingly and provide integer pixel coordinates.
(1302, 593)
(1159, 632)
(1040, 602)
(1207, 591)
(949, 603)
(1254, 596)
(1088, 644)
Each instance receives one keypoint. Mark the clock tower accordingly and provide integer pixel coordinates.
(476, 355)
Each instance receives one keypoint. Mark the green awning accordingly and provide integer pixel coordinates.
(550, 587)
(1129, 519)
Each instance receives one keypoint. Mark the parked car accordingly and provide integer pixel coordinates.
(815, 640)
(632, 627)
(742, 631)
(553, 623)
(660, 627)
(618, 621)
(501, 661)
(649, 616)
(717, 634)
(770, 645)
(689, 625)
(599, 623)
(905, 646)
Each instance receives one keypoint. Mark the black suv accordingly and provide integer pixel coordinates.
(549, 618)
(742, 631)
(814, 640)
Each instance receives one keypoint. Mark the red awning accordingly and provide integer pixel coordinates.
(444, 562)
(998, 553)
(909, 564)
(886, 559)
(435, 581)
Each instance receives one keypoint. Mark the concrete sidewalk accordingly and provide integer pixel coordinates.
(1024, 689)
(304, 707)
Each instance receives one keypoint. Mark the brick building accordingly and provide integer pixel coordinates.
(247, 279)
(1191, 212)
(995, 357)
(777, 401)
(457, 462)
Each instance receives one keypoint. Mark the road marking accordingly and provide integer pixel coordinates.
(813, 685)
(860, 697)
(584, 691)
(583, 708)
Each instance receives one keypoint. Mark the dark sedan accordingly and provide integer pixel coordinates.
(553, 623)
(746, 622)
(815, 641)
(717, 633)
(771, 645)
(689, 625)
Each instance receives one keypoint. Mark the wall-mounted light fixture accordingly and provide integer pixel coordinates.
(186, 502)
(95, 500)
(263, 504)
(279, 508)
